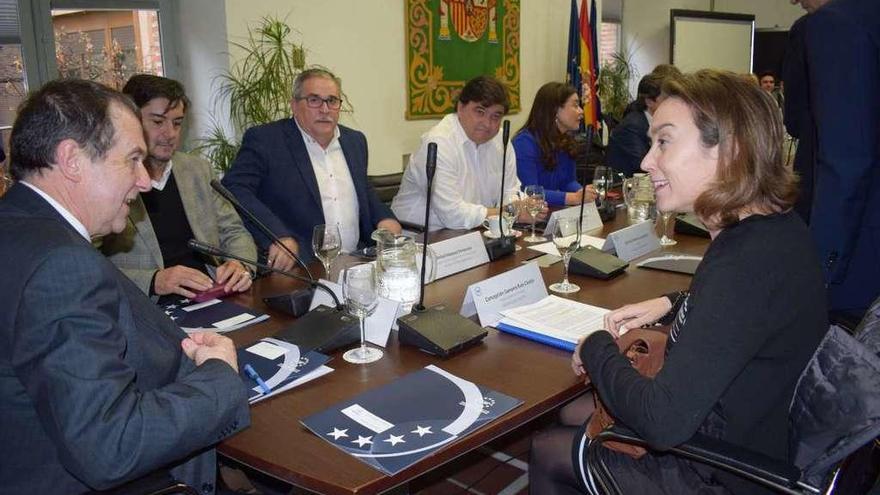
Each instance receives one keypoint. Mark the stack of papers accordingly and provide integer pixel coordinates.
(272, 366)
(553, 321)
(213, 315)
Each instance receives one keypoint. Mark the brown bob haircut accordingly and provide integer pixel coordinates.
(542, 122)
(745, 123)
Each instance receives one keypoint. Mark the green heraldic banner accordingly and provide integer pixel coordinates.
(449, 42)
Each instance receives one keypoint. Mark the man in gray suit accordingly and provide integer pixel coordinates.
(180, 205)
(97, 386)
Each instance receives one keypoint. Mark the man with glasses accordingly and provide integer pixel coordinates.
(468, 179)
(296, 173)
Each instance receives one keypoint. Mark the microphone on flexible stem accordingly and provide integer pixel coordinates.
(298, 301)
(322, 328)
(504, 245)
(587, 260)
(435, 330)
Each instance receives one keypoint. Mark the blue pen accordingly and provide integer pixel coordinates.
(252, 374)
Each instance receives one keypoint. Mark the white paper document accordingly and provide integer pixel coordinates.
(557, 317)
(586, 240)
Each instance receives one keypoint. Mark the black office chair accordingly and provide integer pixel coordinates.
(834, 425)
(386, 186)
(156, 483)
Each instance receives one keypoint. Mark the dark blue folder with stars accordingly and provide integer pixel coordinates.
(210, 313)
(394, 426)
(277, 372)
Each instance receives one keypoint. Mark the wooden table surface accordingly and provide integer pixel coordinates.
(277, 444)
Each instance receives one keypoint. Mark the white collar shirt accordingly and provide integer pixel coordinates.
(160, 184)
(466, 183)
(72, 220)
(338, 196)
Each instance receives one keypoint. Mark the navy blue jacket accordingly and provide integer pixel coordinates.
(842, 53)
(273, 177)
(629, 143)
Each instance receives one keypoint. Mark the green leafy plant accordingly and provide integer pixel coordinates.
(258, 86)
(613, 83)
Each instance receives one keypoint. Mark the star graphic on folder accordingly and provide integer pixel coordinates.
(422, 431)
(337, 433)
(394, 439)
(361, 441)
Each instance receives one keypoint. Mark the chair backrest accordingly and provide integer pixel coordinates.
(386, 186)
(836, 406)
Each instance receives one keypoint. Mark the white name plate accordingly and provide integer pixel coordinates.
(377, 326)
(511, 289)
(631, 242)
(459, 254)
(591, 220)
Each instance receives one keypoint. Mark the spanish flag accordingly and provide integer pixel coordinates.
(589, 63)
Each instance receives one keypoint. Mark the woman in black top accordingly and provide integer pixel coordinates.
(753, 316)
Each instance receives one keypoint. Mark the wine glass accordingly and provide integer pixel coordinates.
(566, 237)
(603, 177)
(534, 204)
(361, 298)
(511, 210)
(326, 243)
(665, 240)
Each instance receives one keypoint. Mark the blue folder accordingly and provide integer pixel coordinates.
(537, 337)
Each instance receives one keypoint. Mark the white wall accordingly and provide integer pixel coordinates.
(203, 56)
(362, 41)
(646, 23)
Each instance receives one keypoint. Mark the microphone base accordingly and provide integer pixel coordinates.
(322, 329)
(595, 263)
(439, 331)
(501, 247)
(295, 303)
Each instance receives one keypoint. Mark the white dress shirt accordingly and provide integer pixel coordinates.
(467, 181)
(72, 220)
(338, 196)
(163, 181)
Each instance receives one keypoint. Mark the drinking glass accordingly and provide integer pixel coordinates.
(361, 299)
(511, 209)
(603, 178)
(665, 240)
(326, 243)
(567, 239)
(534, 204)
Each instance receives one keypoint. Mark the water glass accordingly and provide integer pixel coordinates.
(603, 178)
(361, 298)
(326, 243)
(665, 239)
(566, 237)
(534, 204)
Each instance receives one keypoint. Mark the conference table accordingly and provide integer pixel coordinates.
(278, 445)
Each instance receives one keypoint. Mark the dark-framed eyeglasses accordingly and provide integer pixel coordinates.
(315, 101)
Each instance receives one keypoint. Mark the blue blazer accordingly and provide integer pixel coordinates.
(842, 49)
(94, 387)
(629, 143)
(273, 177)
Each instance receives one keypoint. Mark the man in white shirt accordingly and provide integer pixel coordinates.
(467, 184)
(294, 174)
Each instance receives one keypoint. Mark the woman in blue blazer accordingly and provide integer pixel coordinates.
(545, 149)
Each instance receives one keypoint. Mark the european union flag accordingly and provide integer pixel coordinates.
(574, 49)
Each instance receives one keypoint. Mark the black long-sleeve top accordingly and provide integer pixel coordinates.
(754, 315)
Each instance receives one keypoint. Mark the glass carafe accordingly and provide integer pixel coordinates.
(638, 193)
(398, 267)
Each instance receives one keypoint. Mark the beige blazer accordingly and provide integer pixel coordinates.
(212, 219)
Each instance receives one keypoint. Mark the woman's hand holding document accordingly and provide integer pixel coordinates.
(553, 321)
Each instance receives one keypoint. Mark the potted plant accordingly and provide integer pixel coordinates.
(258, 87)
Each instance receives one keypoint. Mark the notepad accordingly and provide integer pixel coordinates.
(553, 321)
